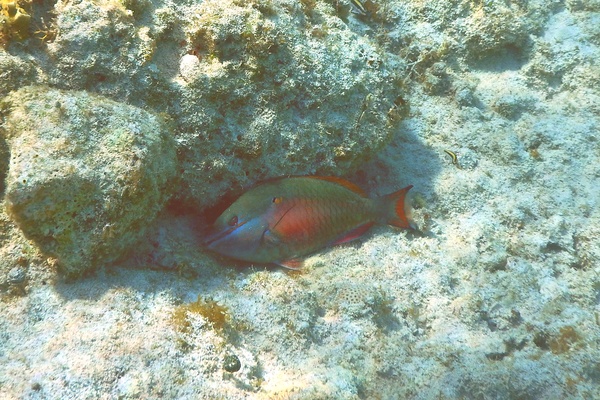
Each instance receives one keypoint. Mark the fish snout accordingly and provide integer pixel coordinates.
(241, 241)
(213, 235)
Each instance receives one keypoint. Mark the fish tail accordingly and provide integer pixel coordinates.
(393, 209)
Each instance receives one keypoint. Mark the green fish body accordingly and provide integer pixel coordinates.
(281, 220)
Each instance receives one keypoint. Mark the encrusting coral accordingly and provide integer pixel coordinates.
(86, 174)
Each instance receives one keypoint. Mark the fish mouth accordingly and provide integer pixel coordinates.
(214, 237)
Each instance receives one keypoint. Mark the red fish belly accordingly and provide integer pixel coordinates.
(306, 225)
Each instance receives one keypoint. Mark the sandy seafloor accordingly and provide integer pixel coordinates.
(498, 298)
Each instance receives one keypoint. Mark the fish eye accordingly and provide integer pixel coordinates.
(233, 221)
(276, 200)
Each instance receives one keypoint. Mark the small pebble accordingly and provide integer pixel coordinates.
(16, 275)
(188, 67)
(231, 363)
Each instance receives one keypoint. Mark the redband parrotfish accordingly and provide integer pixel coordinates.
(283, 219)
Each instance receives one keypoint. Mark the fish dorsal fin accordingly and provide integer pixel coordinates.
(347, 184)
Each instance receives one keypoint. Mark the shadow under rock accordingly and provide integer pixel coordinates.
(168, 258)
(407, 160)
(508, 58)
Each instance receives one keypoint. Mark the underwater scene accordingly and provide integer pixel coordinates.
(299, 199)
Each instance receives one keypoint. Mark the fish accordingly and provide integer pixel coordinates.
(359, 7)
(282, 220)
(453, 156)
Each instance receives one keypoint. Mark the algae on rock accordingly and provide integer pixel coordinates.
(14, 72)
(86, 174)
(270, 89)
(96, 46)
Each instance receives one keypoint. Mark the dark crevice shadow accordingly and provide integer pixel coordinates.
(168, 258)
(4, 162)
(509, 58)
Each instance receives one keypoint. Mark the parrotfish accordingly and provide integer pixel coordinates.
(284, 219)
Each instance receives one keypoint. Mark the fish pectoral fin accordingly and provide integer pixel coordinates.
(294, 263)
(270, 239)
(353, 234)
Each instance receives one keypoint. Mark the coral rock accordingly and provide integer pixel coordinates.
(86, 174)
(264, 95)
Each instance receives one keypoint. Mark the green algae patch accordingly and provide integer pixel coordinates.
(86, 174)
(566, 339)
(14, 22)
(212, 312)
